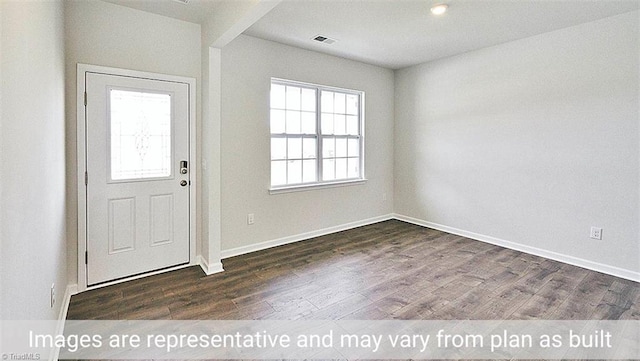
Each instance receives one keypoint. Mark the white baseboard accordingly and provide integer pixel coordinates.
(209, 269)
(301, 237)
(580, 262)
(62, 317)
(64, 308)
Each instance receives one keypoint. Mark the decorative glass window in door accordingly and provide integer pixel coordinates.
(140, 127)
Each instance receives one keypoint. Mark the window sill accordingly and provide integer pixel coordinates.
(314, 186)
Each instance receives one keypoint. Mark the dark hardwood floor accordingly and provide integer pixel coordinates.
(388, 270)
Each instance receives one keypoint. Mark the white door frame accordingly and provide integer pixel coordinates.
(82, 165)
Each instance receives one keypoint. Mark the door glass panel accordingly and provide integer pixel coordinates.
(140, 128)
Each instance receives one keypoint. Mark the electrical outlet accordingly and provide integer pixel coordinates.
(52, 299)
(250, 219)
(596, 233)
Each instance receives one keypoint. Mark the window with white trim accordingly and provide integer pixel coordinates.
(316, 134)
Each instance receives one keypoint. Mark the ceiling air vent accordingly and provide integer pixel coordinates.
(324, 39)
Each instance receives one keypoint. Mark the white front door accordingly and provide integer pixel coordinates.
(138, 178)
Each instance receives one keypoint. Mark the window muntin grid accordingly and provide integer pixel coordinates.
(316, 134)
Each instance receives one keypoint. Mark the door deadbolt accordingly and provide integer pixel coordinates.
(183, 183)
(184, 167)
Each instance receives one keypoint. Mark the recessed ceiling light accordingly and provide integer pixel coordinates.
(323, 39)
(439, 9)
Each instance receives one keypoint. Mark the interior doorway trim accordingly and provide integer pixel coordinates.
(81, 166)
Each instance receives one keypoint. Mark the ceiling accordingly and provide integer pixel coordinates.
(196, 11)
(399, 33)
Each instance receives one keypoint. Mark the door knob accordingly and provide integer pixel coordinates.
(183, 183)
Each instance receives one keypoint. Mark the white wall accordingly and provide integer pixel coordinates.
(32, 159)
(228, 21)
(100, 33)
(210, 199)
(247, 65)
(532, 141)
